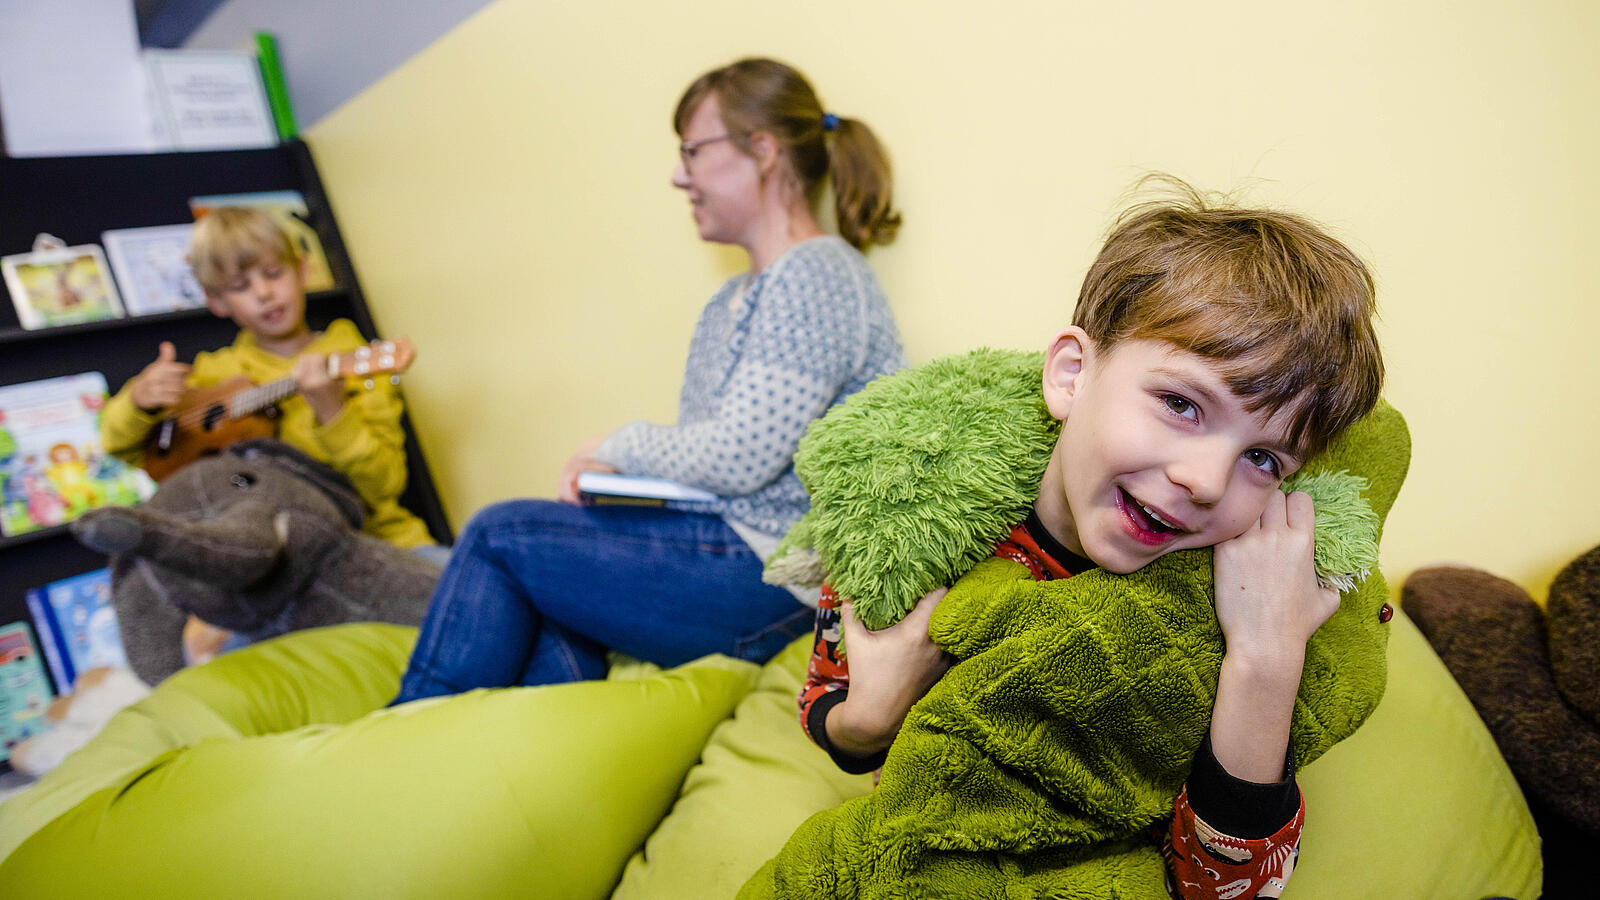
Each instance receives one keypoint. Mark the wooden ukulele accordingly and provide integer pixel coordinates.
(208, 419)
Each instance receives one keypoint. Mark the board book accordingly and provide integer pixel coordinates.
(24, 690)
(60, 286)
(77, 626)
(52, 467)
(151, 266)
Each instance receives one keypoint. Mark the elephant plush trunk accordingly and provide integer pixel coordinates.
(233, 550)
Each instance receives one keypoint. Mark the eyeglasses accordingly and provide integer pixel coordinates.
(687, 149)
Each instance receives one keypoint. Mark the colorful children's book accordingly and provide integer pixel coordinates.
(77, 626)
(52, 467)
(152, 268)
(24, 689)
(290, 211)
(60, 286)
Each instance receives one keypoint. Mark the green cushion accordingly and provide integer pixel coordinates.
(324, 675)
(1418, 802)
(541, 792)
(545, 792)
(758, 779)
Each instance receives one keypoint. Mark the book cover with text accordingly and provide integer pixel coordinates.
(77, 626)
(52, 467)
(24, 690)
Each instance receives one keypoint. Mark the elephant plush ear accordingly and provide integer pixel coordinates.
(324, 477)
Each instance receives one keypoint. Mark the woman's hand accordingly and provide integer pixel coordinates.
(322, 391)
(582, 461)
(890, 670)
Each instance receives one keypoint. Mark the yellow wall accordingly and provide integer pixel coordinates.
(505, 195)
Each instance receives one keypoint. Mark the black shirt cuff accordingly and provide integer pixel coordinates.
(1243, 809)
(816, 724)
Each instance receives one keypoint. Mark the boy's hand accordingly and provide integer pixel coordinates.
(323, 392)
(890, 670)
(160, 384)
(1268, 604)
(1268, 600)
(582, 461)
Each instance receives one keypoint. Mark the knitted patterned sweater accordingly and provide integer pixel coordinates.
(769, 355)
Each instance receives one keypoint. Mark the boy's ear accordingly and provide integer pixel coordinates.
(1064, 364)
(218, 306)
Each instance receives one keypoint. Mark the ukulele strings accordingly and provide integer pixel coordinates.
(262, 396)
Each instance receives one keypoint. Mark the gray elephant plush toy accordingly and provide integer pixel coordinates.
(261, 540)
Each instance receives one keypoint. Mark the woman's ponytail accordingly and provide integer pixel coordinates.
(862, 184)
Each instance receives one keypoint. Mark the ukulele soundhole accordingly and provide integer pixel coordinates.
(214, 415)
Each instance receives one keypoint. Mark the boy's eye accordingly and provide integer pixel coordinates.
(272, 272)
(1179, 405)
(1264, 461)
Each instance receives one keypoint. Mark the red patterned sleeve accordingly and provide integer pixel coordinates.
(827, 671)
(827, 684)
(1203, 863)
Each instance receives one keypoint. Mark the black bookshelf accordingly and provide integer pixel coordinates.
(76, 198)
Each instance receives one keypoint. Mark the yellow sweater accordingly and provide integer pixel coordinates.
(365, 441)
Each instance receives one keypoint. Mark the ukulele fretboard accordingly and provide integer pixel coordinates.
(249, 402)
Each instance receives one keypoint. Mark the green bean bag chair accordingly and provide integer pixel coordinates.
(267, 773)
(1418, 803)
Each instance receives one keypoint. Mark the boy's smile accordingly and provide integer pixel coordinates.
(1156, 453)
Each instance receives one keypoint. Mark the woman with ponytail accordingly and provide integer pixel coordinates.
(536, 591)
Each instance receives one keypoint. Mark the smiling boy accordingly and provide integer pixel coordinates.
(1212, 352)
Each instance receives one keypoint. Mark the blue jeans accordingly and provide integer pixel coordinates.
(537, 591)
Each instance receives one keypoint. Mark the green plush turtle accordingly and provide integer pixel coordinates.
(1037, 765)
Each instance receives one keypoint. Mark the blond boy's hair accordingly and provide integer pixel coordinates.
(229, 239)
(1282, 306)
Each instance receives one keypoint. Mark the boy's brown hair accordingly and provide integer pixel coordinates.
(1285, 308)
(229, 239)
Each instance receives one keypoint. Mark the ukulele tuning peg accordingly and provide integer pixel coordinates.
(362, 367)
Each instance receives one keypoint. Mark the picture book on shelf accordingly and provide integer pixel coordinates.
(52, 467)
(24, 691)
(290, 210)
(77, 626)
(152, 270)
(635, 490)
(60, 286)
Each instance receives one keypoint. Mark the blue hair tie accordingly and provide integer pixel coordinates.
(830, 122)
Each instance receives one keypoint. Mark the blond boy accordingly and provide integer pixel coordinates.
(252, 273)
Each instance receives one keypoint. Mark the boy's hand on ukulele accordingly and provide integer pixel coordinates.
(160, 384)
(1268, 600)
(890, 670)
(322, 391)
